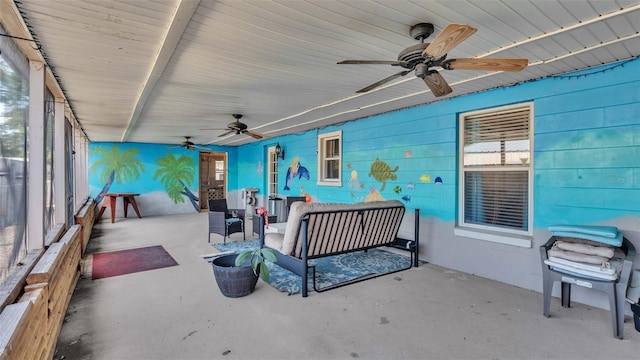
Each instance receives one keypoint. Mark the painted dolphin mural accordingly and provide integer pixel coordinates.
(295, 169)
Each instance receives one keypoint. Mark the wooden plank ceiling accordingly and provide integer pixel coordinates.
(154, 71)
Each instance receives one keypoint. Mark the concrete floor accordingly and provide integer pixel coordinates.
(427, 312)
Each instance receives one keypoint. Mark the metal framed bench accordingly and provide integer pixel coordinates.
(329, 232)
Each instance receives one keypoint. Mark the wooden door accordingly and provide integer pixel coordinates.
(213, 177)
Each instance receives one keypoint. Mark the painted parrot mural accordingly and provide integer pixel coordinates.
(121, 167)
(175, 174)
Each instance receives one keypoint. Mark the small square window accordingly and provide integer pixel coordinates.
(330, 159)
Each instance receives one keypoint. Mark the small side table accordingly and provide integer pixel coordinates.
(110, 201)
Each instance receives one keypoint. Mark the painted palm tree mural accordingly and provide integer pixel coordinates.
(121, 167)
(175, 174)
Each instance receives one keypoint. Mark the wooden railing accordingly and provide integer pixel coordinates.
(33, 311)
(85, 218)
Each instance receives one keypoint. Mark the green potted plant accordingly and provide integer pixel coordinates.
(237, 274)
(257, 259)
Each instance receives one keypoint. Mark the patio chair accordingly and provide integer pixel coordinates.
(615, 287)
(224, 221)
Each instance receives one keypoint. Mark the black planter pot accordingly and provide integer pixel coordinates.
(233, 281)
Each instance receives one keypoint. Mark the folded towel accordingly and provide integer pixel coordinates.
(581, 241)
(573, 256)
(609, 270)
(604, 231)
(617, 241)
(604, 251)
(582, 273)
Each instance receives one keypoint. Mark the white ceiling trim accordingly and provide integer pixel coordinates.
(419, 93)
(179, 24)
(587, 49)
(565, 29)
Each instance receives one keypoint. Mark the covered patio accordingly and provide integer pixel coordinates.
(429, 312)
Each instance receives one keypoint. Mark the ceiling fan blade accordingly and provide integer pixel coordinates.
(255, 135)
(383, 81)
(449, 38)
(374, 62)
(437, 83)
(227, 133)
(214, 129)
(495, 64)
(201, 148)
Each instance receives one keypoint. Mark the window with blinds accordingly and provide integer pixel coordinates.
(495, 185)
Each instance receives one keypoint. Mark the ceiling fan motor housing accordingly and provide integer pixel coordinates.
(237, 126)
(187, 142)
(412, 55)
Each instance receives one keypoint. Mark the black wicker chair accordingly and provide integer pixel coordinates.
(224, 221)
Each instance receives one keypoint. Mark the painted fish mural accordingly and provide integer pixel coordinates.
(381, 171)
(295, 169)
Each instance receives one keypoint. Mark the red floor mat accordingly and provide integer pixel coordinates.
(122, 262)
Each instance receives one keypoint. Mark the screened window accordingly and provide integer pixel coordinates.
(49, 209)
(14, 105)
(68, 158)
(330, 159)
(495, 185)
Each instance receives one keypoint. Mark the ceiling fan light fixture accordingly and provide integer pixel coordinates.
(422, 70)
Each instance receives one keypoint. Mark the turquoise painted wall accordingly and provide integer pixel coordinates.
(586, 167)
(586, 149)
(166, 178)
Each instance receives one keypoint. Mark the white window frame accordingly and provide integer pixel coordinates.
(272, 172)
(522, 238)
(322, 144)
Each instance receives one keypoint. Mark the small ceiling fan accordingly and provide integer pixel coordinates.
(187, 144)
(425, 56)
(239, 128)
